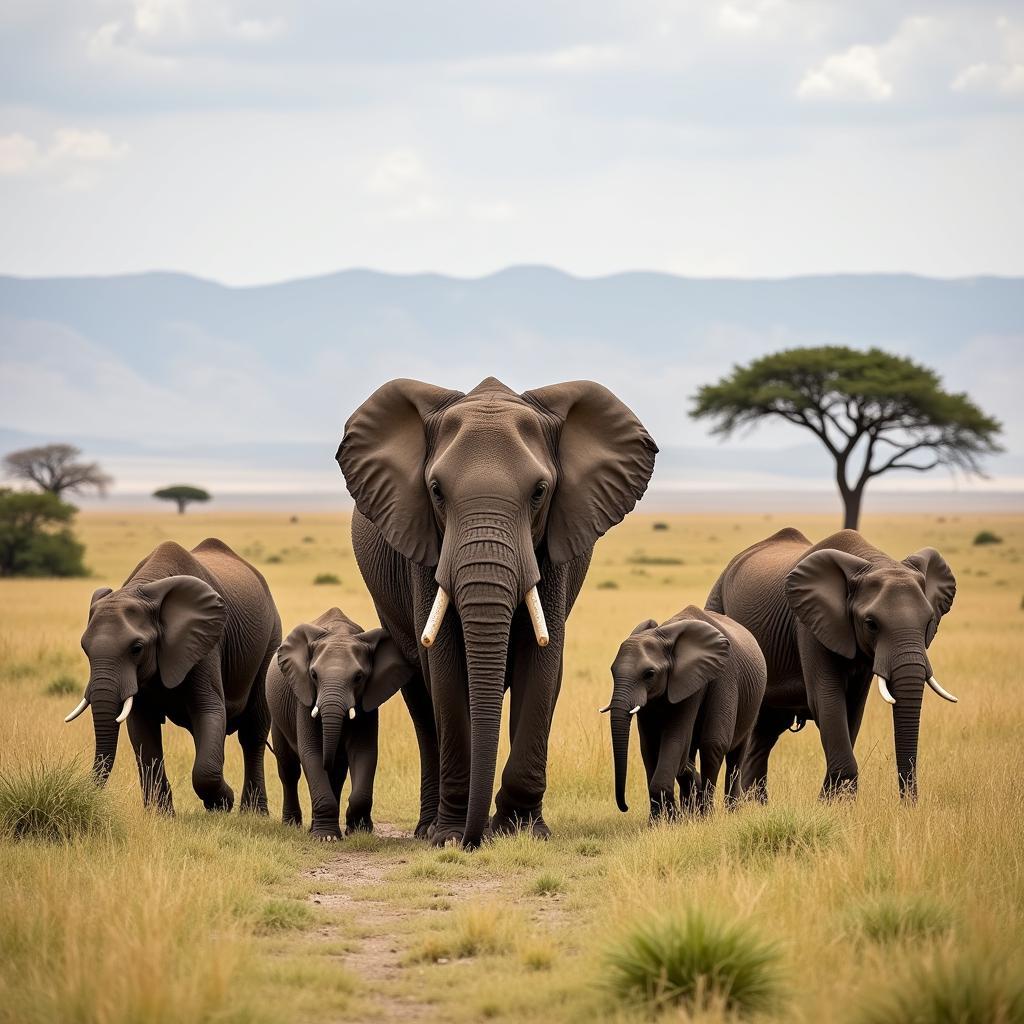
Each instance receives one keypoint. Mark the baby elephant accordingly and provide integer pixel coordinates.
(324, 688)
(694, 683)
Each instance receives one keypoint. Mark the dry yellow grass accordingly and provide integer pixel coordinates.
(189, 919)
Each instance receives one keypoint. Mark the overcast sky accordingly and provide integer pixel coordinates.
(259, 141)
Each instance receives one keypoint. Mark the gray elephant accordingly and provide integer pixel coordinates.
(828, 617)
(493, 501)
(694, 684)
(324, 688)
(187, 637)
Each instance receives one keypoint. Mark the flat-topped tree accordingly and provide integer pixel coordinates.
(873, 411)
(55, 468)
(183, 494)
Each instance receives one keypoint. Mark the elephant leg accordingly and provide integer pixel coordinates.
(449, 692)
(146, 737)
(674, 752)
(711, 757)
(536, 677)
(205, 706)
(252, 737)
(734, 775)
(689, 785)
(417, 700)
(770, 725)
(856, 700)
(361, 736)
(649, 730)
(289, 770)
(321, 788)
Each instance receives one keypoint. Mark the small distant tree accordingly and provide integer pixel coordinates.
(183, 494)
(874, 412)
(35, 536)
(55, 468)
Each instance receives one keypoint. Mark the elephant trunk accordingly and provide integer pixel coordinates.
(620, 723)
(908, 670)
(110, 693)
(332, 717)
(487, 589)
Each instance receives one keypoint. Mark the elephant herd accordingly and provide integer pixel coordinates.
(475, 519)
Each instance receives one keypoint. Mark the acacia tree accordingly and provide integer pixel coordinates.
(183, 494)
(55, 468)
(873, 411)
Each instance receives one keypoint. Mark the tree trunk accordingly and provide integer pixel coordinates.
(851, 506)
(181, 506)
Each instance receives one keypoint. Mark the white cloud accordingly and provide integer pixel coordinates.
(991, 79)
(17, 153)
(855, 74)
(89, 146)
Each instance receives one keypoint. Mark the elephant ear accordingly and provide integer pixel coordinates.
(698, 653)
(605, 460)
(390, 670)
(939, 582)
(382, 456)
(192, 616)
(293, 661)
(643, 627)
(818, 591)
(97, 595)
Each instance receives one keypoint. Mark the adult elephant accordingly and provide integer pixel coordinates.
(188, 637)
(494, 501)
(828, 617)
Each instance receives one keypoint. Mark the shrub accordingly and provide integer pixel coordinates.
(696, 961)
(325, 578)
(62, 686)
(777, 831)
(642, 559)
(35, 536)
(55, 803)
(890, 920)
(959, 987)
(987, 537)
(547, 885)
(607, 585)
(274, 559)
(660, 526)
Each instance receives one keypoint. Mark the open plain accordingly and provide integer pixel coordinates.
(230, 918)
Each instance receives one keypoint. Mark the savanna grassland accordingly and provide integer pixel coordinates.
(228, 918)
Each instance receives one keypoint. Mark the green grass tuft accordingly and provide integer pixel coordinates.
(892, 920)
(63, 686)
(766, 833)
(56, 803)
(958, 987)
(325, 579)
(697, 962)
(279, 915)
(547, 885)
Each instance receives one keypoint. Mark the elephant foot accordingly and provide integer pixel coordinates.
(292, 818)
(664, 812)
(256, 805)
(446, 837)
(358, 825)
(838, 788)
(424, 828)
(325, 833)
(222, 801)
(506, 822)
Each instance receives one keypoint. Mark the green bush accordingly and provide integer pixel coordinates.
(892, 920)
(987, 537)
(325, 578)
(777, 831)
(958, 987)
(55, 803)
(35, 536)
(696, 961)
(63, 686)
(607, 585)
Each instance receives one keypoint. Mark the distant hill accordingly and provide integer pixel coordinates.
(248, 387)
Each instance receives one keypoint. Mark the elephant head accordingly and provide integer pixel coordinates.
(156, 630)
(481, 488)
(334, 674)
(887, 612)
(676, 660)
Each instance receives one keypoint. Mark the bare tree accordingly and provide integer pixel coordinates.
(54, 468)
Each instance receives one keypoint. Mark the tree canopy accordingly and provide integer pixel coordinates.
(35, 538)
(873, 411)
(183, 494)
(55, 468)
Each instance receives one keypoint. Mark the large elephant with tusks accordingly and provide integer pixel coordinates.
(476, 516)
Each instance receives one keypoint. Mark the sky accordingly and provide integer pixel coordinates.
(254, 141)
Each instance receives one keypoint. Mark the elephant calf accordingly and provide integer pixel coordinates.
(188, 637)
(694, 684)
(324, 689)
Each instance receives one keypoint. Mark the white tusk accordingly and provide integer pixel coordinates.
(351, 712)
(315, 711)
(944, 694)
(81, 707)
(540, 627)
(884, 691)
(604, 710)
(126, 710)
(635, 710)
(437, 611)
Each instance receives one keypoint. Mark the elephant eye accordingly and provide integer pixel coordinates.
(871, 624)
(648, 675)
(136, 647)
(435, 490)
(312, 674)
(358, 677)
(539, 491)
